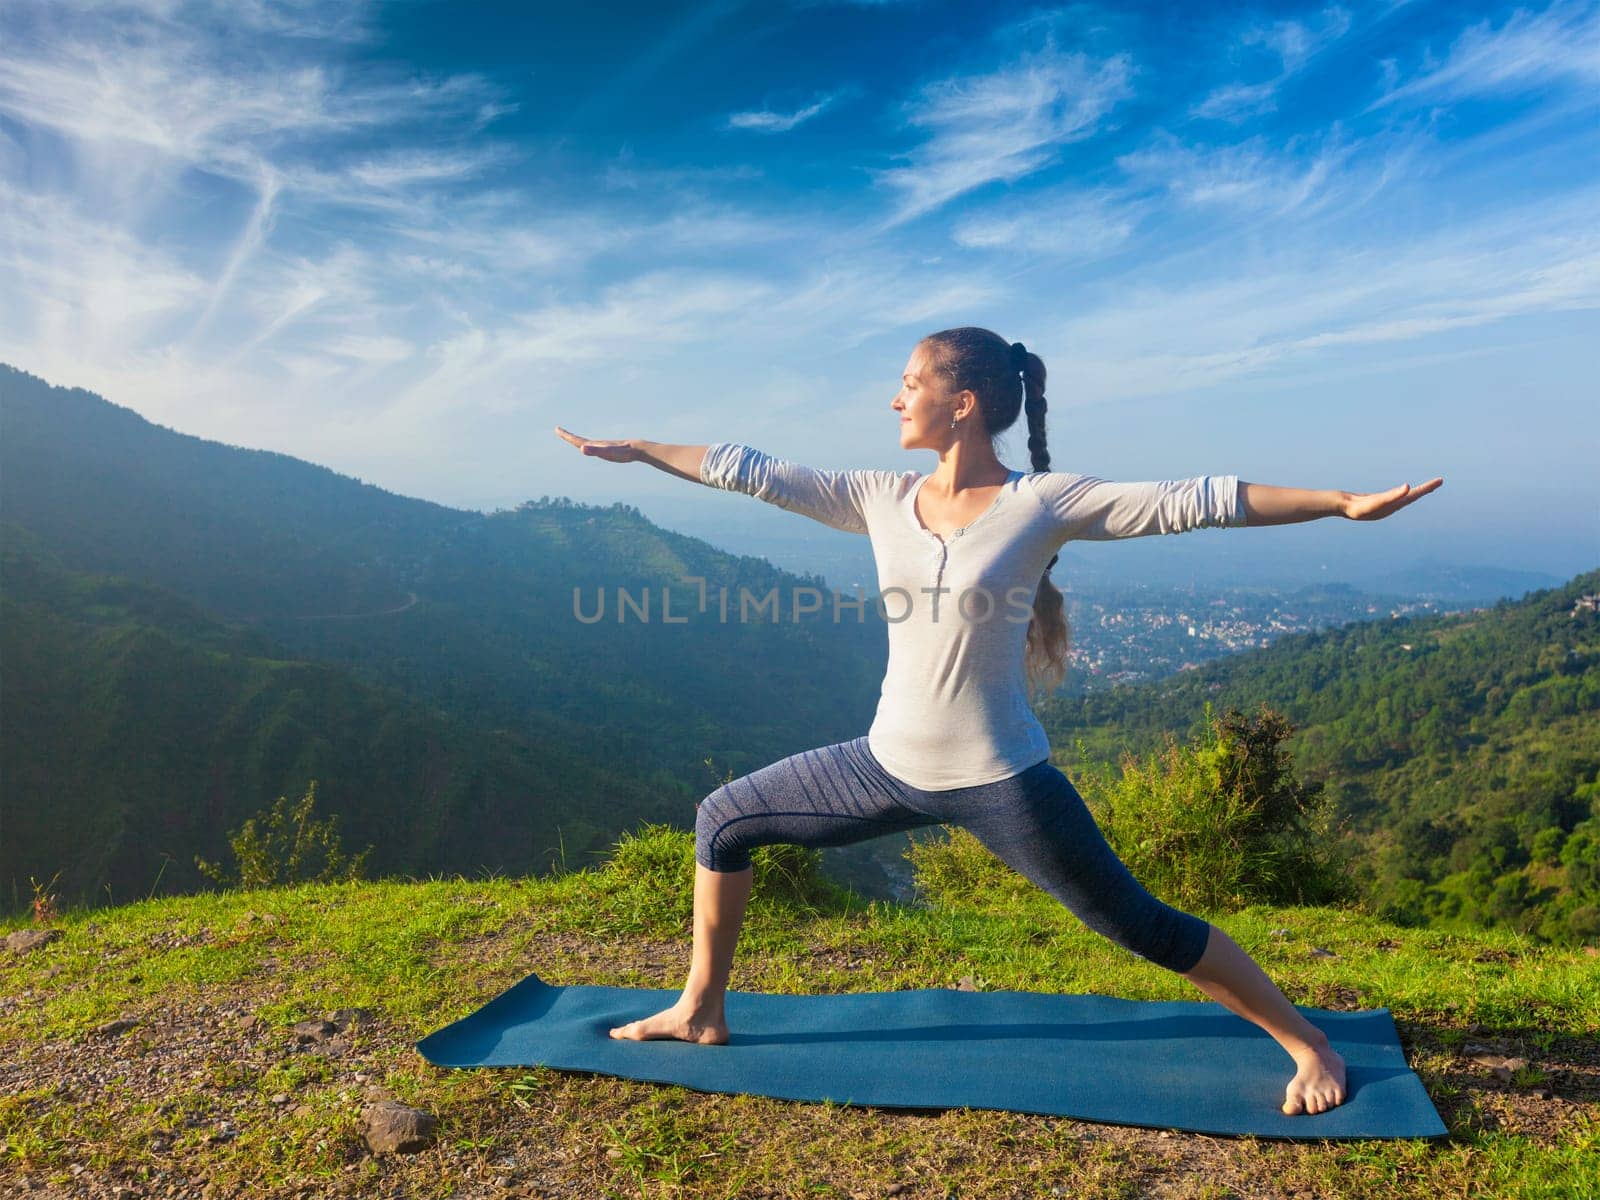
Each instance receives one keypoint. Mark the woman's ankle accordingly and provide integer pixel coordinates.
(703, 1003)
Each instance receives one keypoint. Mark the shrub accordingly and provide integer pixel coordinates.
(1224, 823)
(285, 845)
(1208, 827)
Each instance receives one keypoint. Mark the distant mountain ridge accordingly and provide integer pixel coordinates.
(264, 540)
(1464, 750)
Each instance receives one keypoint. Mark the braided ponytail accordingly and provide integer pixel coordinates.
(1046, 653)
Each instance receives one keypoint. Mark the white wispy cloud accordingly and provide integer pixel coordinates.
(1277, 307)
(1070, 225)
(1001, 125)
(1530, 49)
(769, 121)
(1308, 174)
(1294, 43)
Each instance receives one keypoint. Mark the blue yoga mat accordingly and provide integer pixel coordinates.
(1166, 1064)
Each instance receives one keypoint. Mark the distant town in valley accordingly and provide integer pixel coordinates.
(1135, 635)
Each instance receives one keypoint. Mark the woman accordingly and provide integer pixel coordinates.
(966, 552)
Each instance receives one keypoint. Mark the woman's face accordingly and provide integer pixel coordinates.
(924, 412)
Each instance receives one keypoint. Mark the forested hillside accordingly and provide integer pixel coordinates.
(139, 730)
(327, 565)
(200, 628)
(1463, 751)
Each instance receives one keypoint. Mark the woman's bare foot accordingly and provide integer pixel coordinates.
(680, 1022)
(1319, 1083)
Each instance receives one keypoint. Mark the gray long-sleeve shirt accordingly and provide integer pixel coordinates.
(953, 710)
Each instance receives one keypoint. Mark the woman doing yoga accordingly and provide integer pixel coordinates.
(964, 555)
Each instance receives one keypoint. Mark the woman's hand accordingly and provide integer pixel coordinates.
(1372, 506)
(682, 461)
(613, 451)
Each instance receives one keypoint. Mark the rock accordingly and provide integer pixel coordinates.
(1319, 952)
(20, 941)
(314, 1030)
(331, 1048)
(113, 1028)
(1501, 1067)
(345, 1018)
(966, 984)
(279, 1099)
(391, 1128)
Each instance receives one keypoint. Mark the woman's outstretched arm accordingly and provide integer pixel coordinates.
(682, 461)
(836, 498)
(1268, 505)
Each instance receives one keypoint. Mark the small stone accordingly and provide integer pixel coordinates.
(314, 1030)
(391, 1128)
(1319, 952)
(20, 941)
(344, 1018)
(966, 984)
(113, 1028)
(279, 1099)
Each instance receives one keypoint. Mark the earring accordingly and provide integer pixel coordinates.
(952, 422)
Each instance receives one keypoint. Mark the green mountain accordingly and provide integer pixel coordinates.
(1463, 752)
(379, 614)
(139, 730)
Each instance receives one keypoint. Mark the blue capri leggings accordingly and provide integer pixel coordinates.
(1034, 821)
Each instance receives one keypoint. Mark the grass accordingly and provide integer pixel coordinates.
(186, 1096)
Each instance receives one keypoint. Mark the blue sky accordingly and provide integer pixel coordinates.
(1338, 245)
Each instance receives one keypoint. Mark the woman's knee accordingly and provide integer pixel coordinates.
(1180, 941)
(716, 845)
(1157, 932)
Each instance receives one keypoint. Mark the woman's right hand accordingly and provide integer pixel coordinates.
(612, 451)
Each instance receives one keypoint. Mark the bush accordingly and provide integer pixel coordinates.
(1223, 823)
(284, 845)
(1209, 827)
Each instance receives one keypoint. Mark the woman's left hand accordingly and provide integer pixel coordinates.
(1371, 506)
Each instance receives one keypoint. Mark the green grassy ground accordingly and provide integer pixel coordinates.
(207, 1094)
